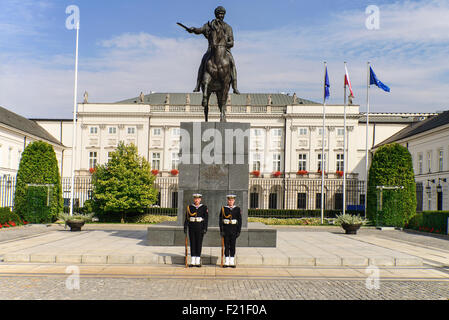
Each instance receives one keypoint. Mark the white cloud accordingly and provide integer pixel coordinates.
(408, 53)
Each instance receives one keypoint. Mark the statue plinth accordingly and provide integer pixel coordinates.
(214, 161)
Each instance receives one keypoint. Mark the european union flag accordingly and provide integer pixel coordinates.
(326, 86)
(373, 80)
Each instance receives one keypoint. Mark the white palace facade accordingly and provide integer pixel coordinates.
(286, 138)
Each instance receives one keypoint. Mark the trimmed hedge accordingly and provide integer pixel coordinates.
(429, 221)
(38, 165)
(392, 166)
(295, 213)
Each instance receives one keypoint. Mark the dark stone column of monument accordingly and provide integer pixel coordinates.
(214, 162)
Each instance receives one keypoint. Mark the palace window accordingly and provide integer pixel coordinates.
(156, 131)
(302, 131)
(420, 163)
(440, 160)
(93, 130)
(156, 160)
(340, 131)
(174, 160)
(302, 161)
(112, 130)
(131, 130)
(277, 162)
(429, 161)
(320, 162)
(340, 162)
(92, 159)
(256, 162)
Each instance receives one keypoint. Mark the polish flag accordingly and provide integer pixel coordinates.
(348, 82)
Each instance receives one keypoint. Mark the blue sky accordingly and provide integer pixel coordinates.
(131, 46)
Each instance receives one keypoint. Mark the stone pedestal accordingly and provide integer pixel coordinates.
(214, 161)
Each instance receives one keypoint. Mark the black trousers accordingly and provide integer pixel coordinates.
(229, 242)
(196, 240)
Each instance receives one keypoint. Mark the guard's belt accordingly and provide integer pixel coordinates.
(195, 219)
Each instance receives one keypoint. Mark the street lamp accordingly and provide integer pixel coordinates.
(429, 188)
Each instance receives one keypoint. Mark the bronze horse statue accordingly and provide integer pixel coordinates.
(217, 74)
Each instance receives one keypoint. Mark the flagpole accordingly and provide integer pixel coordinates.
(366, 145)
(322, 151)
(72, 181)
(344, 146)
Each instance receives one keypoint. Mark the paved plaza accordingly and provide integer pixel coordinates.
(103, 244)
(270, 279)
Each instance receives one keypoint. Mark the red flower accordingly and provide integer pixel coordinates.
(319, 172)
(155, 172)
(339, 173)
(276, 173)
(12, 223)
(174, 172)
(92, 170)
(6, 225)
(302, 172)
(25, 222)
(255, 173)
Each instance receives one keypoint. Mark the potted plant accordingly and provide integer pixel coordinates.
(155, 172)
(255, 173)
(92, 170)
(350, 223)
(276, 174)
(302, 172)
(339, 173)
(75, 221)
(174, 172)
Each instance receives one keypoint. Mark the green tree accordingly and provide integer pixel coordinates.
(124, 184)
(392, 166)
(38, 166)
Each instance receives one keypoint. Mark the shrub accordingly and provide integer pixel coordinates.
(392, 166)
(348, 219)
(76, 217)
(295, 213)
(6, 216)
(289, 221)
(123, 185)
(38, 165)
(429, 221)
(150, 218)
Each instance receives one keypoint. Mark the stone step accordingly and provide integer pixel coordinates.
(244, 260)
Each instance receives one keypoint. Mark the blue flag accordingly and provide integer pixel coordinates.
(326, 86)
(373, 80)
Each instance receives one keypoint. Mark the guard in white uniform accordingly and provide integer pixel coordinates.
(230, 222)
(196, 222)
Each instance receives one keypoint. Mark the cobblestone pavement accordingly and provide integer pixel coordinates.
(310, 284)
(54, 288)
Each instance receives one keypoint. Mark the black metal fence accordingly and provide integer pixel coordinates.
(288, 194)
(7, 189)
(82, 191)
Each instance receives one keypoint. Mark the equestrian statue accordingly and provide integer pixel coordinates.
(217, 72)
